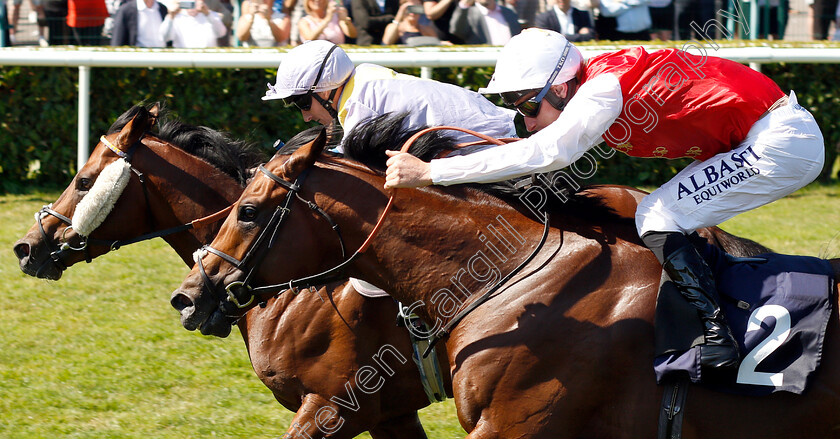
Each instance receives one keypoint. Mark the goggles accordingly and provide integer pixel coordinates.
(530, 107)
(303, 102)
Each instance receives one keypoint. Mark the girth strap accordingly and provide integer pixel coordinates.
(673, 409)
(444, 332)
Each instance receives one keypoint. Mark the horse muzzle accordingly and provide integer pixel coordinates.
(37, 263)
(208, 319)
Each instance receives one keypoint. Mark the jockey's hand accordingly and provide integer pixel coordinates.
(405, 170)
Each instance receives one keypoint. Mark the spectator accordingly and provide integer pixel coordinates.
(55, 12)
(262, 26)
(698, 11)
(836, 36)
(294, 9)
(194, 27)
(226, 11)
(85, 19)
(632, 18)
(440, 12)
(326, 20)
(824, 13)
(410, 22)
(561, 17)
(604, 26)
(662, 19)
(42, 20)
(769, 27)
(371, 17)
(137, 23)
(108, 28)
(526, 10)
(5, 41)
(484, 22)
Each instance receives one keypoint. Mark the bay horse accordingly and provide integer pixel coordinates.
(563, 349)
(300, 347)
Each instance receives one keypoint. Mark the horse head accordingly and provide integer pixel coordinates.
(53, 244)
(257, 220)
(137, 185)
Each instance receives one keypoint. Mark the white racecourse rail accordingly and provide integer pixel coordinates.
(426, 58)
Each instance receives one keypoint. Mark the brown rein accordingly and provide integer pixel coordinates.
(485, 139)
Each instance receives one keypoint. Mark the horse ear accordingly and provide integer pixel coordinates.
(305, 156)
(134, 129)
(154, 112)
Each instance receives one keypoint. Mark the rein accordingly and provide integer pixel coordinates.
(241, 294)
(56, 253)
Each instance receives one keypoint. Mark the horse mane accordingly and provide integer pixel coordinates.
(368, 141)
(234, 157)
(334, 133)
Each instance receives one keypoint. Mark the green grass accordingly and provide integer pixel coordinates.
(101, 354)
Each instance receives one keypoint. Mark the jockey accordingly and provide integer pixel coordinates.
(319, 78)
(752, 145)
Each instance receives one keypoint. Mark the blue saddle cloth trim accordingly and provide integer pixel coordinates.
(797, 290)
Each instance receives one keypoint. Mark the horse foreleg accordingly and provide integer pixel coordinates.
(483, 431)
(319, 418)
(402, 427)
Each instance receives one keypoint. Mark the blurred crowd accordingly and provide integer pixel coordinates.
(267, 23)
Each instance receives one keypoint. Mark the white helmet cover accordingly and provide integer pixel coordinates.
(299, 69)
(528, 59)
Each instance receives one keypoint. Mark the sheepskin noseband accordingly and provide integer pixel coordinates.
(101, 198)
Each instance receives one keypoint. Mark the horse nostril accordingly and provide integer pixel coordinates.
(22, 250)
(181, 302)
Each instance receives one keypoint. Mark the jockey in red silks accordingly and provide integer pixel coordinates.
(752, 145)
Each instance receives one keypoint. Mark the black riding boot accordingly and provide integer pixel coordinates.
(693, 277)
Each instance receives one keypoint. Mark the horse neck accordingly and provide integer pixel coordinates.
(435, 245)
(183, 188)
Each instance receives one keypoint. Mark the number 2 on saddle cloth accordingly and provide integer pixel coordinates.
(778, 312)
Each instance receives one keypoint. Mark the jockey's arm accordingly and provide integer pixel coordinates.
(592, 110)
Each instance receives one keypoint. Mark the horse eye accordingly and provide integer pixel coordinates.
(247, 213)
(84, 184)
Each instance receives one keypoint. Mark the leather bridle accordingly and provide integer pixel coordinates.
(241, 293)
(56, 254)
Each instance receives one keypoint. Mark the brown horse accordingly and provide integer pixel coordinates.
(300, 347)
(564, 349)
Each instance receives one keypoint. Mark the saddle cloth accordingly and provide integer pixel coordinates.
(778, 312)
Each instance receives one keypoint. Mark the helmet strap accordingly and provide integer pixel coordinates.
(328, 103)
(560, 103)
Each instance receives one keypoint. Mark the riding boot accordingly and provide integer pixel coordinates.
(693, 278)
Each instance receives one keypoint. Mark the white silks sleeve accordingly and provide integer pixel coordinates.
(595, 106)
